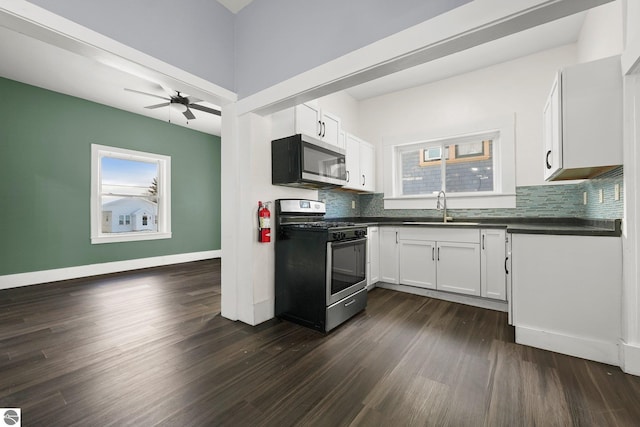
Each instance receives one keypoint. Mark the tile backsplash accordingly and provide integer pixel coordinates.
(549, 201)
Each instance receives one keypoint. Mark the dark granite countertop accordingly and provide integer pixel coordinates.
(553, 226)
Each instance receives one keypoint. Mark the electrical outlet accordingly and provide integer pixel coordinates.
(353, 204)
(584, 198)
(601, 195)
(616, 192)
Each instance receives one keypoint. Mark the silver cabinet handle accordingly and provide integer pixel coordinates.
(363, 180)
(319, 128)
(433, 254)
(348, 176)
(483, 242)
(438, 254)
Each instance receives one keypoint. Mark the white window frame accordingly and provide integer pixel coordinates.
(500, 129)
(164, 195)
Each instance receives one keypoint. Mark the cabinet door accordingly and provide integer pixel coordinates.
(458, 267)
(373, 255)
(493, 274)
(352, 163)
(330, 131)
(308, 120)
(367, 159)
(389, 255)
(552, 115)
(417, 263)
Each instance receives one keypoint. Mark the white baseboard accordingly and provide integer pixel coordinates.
(447, 296)
(263, 311)
(45, 276)
(630, 358)
(585, 348)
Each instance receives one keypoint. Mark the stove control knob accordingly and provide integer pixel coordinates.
(336, 236)
(343, 235)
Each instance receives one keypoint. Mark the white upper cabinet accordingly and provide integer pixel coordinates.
(583, 121)
(307, 119)
(360, 164)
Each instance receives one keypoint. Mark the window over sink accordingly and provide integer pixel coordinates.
(473, 164)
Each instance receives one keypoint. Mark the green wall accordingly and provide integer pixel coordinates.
(45, 176)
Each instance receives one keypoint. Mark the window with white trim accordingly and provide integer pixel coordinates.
(455, 165)
(128, 188)
(474, 164)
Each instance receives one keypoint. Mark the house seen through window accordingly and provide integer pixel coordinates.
(130, 195)
(455, 166)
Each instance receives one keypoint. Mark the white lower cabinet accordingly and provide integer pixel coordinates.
(493, 259)
(566, 294)
(458, 267)
(446, 259)
(417, 263)
(389, 255)
(460, 260)
(373, 256)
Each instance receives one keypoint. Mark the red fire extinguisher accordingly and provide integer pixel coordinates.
(264, 223)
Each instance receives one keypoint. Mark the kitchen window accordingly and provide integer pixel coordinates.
(466, 166)
(476, 169)
(127, 188)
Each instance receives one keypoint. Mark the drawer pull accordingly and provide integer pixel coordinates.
(350, 302)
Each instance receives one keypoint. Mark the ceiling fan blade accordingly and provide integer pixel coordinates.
(148, 94)
(164, 104)
(193, 99)
(189, 115)
(205, 109)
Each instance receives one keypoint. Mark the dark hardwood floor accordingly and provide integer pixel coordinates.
(149, 348)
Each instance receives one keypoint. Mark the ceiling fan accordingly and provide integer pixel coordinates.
(184, 103)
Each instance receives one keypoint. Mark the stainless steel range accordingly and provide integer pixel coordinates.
(320, 266)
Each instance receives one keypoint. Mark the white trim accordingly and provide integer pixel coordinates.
(46, 26)
(630, 358)
(446, 296)
(586, 348)
(164, 196)
(504, 155)
(263, 311)
(454, 201)
(45, 276)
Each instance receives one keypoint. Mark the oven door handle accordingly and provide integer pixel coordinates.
(347, 242)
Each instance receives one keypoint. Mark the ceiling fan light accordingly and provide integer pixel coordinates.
(180, 108)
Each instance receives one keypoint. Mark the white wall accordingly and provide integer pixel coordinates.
(519, 86)
(248, 266)
(344, 106)
(630, 343)
(601, 35)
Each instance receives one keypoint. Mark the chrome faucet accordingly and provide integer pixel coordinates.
(443, 206)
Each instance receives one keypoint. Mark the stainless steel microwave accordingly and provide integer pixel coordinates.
(303, 161)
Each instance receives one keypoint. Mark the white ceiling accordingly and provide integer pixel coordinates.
(40, 64)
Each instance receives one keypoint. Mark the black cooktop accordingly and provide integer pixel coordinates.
(322, 224)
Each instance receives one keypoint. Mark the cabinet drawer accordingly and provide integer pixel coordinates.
(345, 308)
(440, 234)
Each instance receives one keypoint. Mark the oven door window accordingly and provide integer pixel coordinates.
(320, 162)
(348, 264)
